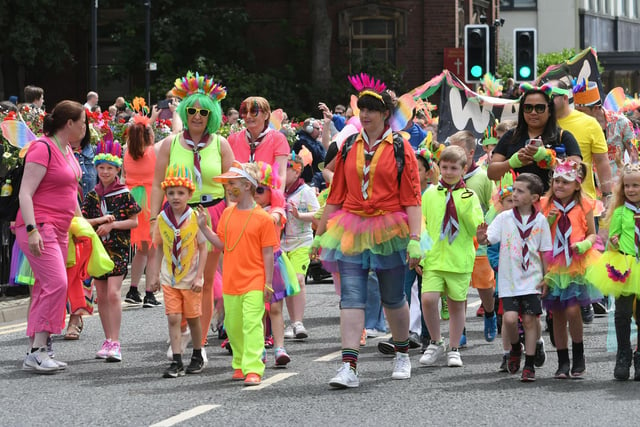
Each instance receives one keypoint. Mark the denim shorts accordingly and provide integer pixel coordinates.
(354, 282)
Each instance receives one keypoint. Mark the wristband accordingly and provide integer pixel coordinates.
(413, 249)
(32, 231)
(583, 246)
(414, 236)
(316, 242)
(152, 219)
(269, 288)
(540, 154)
(514, 161)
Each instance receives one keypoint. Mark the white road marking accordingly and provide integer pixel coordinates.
(271, 380)
(329, 357)
(474, 304)
(183, 416)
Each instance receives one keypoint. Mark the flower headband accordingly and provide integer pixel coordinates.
(108, 151)
(193, 84)
(178, 176)
(568, 170)
(367, 85)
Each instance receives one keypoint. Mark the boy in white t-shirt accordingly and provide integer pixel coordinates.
(523, 233)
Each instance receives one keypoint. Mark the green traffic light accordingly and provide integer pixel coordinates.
(525, 72)
(476, 71)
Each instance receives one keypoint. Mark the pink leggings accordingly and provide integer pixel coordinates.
(49, 294)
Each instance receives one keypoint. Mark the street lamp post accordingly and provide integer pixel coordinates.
(147, 4)
(93, 75)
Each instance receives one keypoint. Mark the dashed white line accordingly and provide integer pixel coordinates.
(271, 380)
(329, 357)
(183, 416)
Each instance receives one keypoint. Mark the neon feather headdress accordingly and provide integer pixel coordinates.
(267, 177)
(193, 84)
(141, 119)
(367, 85)
(138, 105)
(108, 151)
(178, 176)
(490, 137)
(492, 86)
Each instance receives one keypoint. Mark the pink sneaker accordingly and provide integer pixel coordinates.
(103, 353)
(114, 354)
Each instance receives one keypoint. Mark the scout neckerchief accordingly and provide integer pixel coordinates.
(253, 145)
(450, 225)
(113, 189)
(369, 151)
(563, 231)
(175, 224)
(636, 219)
(525, 231)
(196, 153)
(473, 169)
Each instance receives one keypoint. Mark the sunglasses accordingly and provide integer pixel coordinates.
(539, 108)
(261, 190)
(193, 110)
(253, 111)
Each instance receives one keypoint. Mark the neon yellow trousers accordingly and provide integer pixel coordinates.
(243, 321)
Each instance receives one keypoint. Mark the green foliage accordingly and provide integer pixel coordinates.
(504, 68)
(545, 60)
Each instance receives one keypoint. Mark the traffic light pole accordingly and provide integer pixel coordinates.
(492, 49)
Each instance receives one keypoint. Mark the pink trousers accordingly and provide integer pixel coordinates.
(49, 294)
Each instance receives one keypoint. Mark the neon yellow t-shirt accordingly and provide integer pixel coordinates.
(591, 140)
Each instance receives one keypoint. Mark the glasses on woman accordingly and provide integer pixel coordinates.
(538, 108)
(261, 190)
(202, 111)
(253, 111)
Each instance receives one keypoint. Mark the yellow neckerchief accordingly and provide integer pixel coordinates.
(188, 233)
(360, 141)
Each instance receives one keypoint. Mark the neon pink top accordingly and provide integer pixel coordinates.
(56, 197)
(274, 144)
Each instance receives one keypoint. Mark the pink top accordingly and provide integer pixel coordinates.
(56, 197)
(274, 144)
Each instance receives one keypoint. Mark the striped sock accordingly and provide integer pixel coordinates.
(401, 346)
(350, 356)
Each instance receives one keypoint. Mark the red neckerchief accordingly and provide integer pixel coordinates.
(116, 185)
(177, 242)
(636, 218)
(254, 144)
(563, 230)
(525, 231)
(196, 153)
(293, 187)
(450, 225)
(470, 171)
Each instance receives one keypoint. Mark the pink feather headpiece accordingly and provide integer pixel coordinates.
(568, 170)
(367, 85)
(193, 84)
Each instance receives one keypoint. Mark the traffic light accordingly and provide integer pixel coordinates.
(476, 52)
(525, 51)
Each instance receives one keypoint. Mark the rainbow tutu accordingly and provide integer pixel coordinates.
(615, 274)
(575, 293)
(374, 242)
(285, 281)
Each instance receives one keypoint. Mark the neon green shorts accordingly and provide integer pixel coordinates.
(300, 259)
(454, 285)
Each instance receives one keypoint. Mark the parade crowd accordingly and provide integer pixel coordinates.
(224, 214)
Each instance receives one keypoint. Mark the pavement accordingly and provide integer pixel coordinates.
(13, 309)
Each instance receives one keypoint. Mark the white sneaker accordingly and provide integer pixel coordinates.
(299, 331)
(186, 339)
(432, 354)
(40, 362)
(453, 359)
(345, 378)
(288, 333)
(374, 333)
(402, 368)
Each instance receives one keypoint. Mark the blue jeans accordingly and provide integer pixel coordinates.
(373, 313)
(354, 286)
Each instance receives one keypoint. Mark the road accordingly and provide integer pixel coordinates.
(133, 392)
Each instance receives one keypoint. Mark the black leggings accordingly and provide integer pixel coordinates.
(624, 311)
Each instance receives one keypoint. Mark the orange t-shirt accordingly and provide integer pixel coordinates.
(346, 187)
(245, 233)
(577, 216)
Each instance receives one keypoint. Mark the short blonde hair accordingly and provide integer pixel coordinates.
(253, 171)
(454, 154)
(465, 139)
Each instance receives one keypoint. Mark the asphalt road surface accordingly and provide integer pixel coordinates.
(92, 392)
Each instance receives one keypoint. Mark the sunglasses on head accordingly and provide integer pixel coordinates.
(193, 110)
(261, 190)
(539, 108)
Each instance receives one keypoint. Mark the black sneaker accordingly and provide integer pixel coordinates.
(600, 308)
(505, 361)
(414, 340)
(196, 366)
(587, 314)
(133, 297)
(386, 347)
(174, 371)
(623, 364)
(563, 371)
(541, 355)
(150, 301)
(579, 368)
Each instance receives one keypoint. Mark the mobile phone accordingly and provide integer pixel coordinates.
(537, 142)
(163, 104)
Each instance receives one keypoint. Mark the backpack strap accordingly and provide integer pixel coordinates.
(398, 151)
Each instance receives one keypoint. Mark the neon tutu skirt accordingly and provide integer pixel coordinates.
(20, 272)
(374, 242)
(285, 282)
(615, 274)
